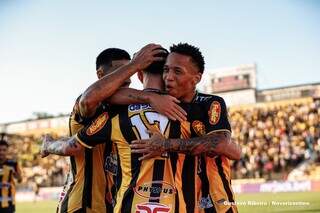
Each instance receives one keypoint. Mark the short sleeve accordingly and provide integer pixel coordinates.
(216, 118)
(97, 132)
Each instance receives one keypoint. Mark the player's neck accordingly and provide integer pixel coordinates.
(153, 82)
(188, 98)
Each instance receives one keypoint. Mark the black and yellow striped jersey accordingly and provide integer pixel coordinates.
(149, 184)
(142, 185)
(7, 183)
(209, 188)
(87, 188)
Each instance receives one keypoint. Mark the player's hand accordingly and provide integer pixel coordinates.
(212, 154)
(146, 56)
(46, 140)
(168, 106)
(150, 148)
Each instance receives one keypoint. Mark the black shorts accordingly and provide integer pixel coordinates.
(10, 209)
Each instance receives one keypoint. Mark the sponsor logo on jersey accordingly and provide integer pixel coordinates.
(160, 188)
(138, 107)
(205, 202)
(111, 164)
(98, 124)
(152, 208)
(200, 98)
(199, 128)
(214, 112)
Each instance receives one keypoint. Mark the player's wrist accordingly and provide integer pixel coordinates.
(151, 97)
(134, 66)
(166, 145)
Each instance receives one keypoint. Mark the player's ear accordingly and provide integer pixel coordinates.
(140, 76)
(100, 73)
(197, 78)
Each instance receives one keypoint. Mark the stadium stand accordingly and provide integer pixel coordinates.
(275, 137)
(50, 171)
(279, 140)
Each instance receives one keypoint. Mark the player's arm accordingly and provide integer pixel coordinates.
(63, 147)
(216, 142)
(95, 133)
(219, 143)
(164, 104)
(107, 85)
(230, 149)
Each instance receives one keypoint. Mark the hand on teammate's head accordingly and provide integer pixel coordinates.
(148, 54)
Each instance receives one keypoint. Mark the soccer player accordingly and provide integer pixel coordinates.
(208, 189)
(80, 194)
(144, 186)
(148, 177)
(9, 170)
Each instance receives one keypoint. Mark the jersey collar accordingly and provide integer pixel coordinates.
(155, 90)
(195, 97)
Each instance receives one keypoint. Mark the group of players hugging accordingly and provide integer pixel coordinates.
(165, 148)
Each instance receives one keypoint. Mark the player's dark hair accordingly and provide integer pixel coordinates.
(192, 51)
(4, 143)
(156, 67)
(111, 54)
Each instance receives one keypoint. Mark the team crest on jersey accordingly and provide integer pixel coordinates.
(214, 112)
(199, 127)
(98, 124)
(152, 208)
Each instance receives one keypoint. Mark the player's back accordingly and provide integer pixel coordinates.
(141, 185)
(148, 184)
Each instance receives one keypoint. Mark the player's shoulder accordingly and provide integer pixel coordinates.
(78, 98)
(75, 108)
(76, 115)
(76, 105)
(208, 98)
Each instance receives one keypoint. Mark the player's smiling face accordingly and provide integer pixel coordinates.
(181, 76)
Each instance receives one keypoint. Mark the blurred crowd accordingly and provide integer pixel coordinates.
(274, 140)
(37, 172)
